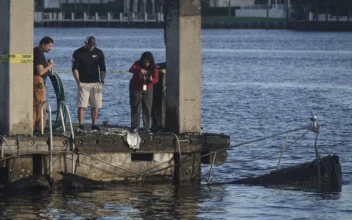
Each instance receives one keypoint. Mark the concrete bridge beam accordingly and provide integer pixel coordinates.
(16, 68)
(183, 58)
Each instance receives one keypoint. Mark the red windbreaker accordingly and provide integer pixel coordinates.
(137, 78)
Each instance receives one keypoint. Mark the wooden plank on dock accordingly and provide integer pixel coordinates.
(117, 144)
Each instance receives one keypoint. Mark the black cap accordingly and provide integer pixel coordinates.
(90, 41)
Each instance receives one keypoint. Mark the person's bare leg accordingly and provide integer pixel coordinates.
(81, 113)
(94, 113)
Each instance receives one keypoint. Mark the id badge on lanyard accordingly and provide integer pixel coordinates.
(144, 87)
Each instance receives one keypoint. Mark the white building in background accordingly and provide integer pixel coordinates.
(136, 6)
(248, 8)
(51, 4)
(248, 3)
(233, 3)
(56, 3)
(276, 9)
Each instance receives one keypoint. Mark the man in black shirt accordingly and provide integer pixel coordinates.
(40, 70)
(86, 63)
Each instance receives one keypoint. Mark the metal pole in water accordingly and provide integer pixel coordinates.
(282, 152)
(211, 167)
(316, 128)
(318, 160)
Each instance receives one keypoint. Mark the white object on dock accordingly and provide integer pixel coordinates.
(133, 140)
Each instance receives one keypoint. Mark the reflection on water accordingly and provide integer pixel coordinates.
(138, 202)
(188, 201)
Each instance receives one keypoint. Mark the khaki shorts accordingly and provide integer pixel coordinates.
(91, 93)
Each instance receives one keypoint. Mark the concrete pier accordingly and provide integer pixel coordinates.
(183, 58)
(16, 78)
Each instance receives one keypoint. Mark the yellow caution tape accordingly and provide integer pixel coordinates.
(118, 71)
(28, 59)
(17, 61)
(113, 71)
(16, 58)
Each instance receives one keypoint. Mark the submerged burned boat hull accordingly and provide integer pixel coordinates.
(304, 175)
(30, 183)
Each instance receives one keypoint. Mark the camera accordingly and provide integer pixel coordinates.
(148, 74)
(51, 70)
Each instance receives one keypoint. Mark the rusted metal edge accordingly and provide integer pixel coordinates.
(117, 144)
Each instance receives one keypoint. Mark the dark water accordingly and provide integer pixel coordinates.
(254, 83)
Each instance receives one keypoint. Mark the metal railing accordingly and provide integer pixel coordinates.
(62, 103)
(51, 134)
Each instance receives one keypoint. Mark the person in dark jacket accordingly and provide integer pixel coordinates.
(86, 63)
(145, 75)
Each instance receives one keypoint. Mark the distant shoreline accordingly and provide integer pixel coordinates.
(208, 22)
(282, 24)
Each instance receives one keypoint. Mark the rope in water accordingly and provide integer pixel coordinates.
(237, 145)
(270, 155)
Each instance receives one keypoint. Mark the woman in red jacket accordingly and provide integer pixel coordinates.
(145, 75)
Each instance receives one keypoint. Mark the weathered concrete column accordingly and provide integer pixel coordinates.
(16, 70)
(183, 59)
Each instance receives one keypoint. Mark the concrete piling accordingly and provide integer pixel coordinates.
(183, 58)
(16, 48)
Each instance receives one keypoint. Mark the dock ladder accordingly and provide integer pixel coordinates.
(51, 135)
(62, 103)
